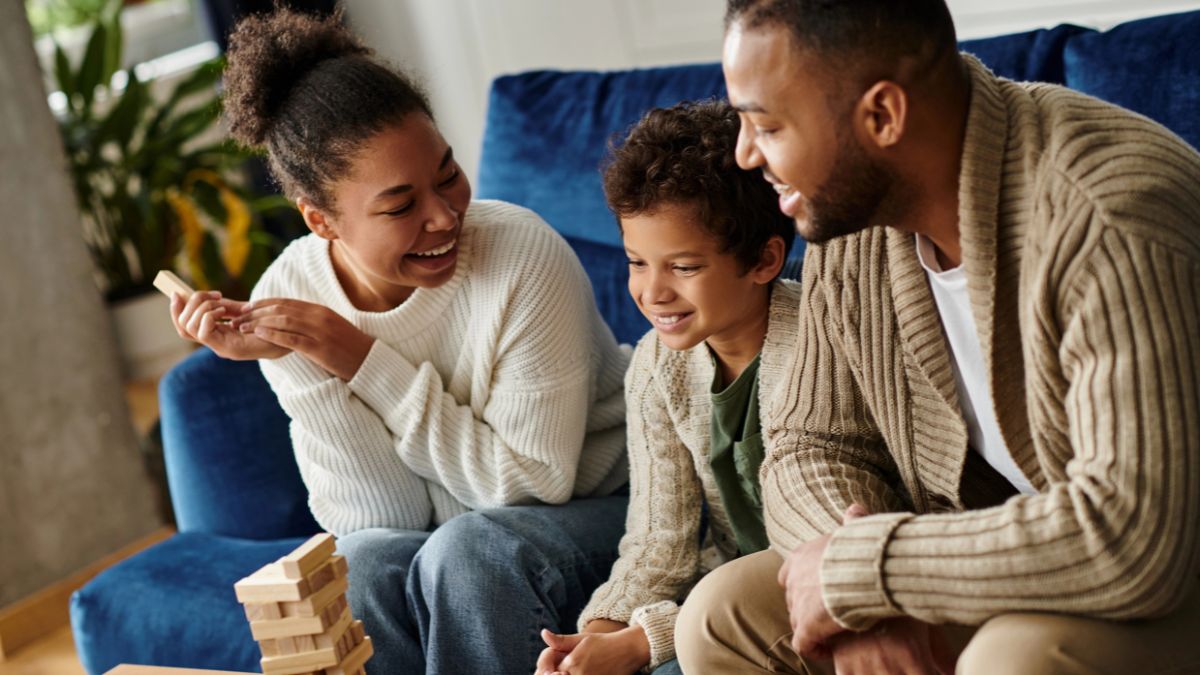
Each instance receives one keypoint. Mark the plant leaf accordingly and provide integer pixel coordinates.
(114, 49)
(92, 67)
(63, 74)
(205, 76)
(118, 126)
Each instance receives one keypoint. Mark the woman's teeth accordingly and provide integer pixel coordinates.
(668, 319)
(782, 188)
(437, 251)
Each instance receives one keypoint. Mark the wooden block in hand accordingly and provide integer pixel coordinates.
(310, 556)
(169, 284)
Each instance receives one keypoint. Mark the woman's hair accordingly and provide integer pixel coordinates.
(306, 89)
(684, 155)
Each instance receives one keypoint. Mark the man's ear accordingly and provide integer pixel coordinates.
(770, 262)
(882, 114)
(316, 219)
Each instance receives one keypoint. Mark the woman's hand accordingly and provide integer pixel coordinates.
(203, 318)
(322, 335)
(605, 647)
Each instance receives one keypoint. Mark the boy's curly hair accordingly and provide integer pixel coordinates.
(684, 155)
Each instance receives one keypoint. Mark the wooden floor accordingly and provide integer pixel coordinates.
(51, 655)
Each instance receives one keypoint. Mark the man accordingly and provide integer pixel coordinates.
(997, 358)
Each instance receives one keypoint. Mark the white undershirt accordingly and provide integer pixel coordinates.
(970, 369)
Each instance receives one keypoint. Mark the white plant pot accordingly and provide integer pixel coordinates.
(146, 338)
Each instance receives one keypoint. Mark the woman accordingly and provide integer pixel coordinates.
(706, 244)
(438, 358)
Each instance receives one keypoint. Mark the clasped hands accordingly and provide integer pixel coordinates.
(271, 328)
(902, 645)
(604, 648)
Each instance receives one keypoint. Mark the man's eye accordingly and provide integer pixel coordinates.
(450, 181)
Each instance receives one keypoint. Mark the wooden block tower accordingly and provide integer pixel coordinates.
(299, 615)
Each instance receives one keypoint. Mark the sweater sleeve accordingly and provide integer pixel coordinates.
(344, 453)
(1116, 537)
(659, 554)
(823, 450)
(523, 444)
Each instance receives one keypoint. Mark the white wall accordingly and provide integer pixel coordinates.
(459, 46)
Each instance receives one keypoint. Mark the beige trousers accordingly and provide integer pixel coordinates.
(735, 621)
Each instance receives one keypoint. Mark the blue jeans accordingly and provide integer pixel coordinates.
(473, 595)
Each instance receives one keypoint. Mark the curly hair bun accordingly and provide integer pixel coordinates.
(269, 54)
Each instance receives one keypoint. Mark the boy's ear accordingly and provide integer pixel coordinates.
(770, 262)
(316, 219)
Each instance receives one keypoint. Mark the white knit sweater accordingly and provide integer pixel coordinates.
(669, 401)
(502, 386)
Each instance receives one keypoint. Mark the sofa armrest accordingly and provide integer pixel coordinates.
(228, 453)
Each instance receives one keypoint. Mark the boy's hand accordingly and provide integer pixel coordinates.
(606, 647)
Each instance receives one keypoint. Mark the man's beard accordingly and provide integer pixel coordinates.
(851, 197)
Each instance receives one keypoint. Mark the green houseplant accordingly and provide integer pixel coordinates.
(154, 193)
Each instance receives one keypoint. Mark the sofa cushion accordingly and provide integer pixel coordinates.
(228, 452)
(547, 132)
(1151, 66)
(1034, 56)
(173, 605)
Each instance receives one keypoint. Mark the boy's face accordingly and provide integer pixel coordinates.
(681, 281)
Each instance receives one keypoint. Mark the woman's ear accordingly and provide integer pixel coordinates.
(770, 262)
(316, 219)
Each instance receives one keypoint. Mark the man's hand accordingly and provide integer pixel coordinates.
(322, 335)
(901, 646)
(605, 647)
(800, 577)
(200, 317)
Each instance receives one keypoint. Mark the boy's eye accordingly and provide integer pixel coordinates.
(686, 269)
(636, 264)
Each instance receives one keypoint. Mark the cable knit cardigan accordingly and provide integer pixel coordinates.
(1080, 227)
(668, 402)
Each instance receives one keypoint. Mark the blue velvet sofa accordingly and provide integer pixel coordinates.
(235, 487)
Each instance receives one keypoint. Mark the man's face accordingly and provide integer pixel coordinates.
(799, 131)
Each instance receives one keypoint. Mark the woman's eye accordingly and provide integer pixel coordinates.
(763, 131)
(400, 211)
(453, 177)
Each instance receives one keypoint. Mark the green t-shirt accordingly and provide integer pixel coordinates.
(735, 455)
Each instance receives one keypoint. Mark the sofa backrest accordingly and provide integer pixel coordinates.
(547, 131)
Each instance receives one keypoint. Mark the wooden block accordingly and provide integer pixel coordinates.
(169, 284)
(296, 664)
(126, 669)
(336, 632)
(358, 631)
(310, 555)
(316, 603)
(354, 662)
(269, 648)
(296, 625)
(269, 584)
(262, 611)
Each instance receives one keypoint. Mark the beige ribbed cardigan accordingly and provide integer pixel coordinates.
(668, 403)
(1080, 226)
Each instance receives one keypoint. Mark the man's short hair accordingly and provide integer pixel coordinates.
(684, 156)
(868, 36)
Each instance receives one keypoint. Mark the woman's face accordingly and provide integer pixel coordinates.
(399, 213)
